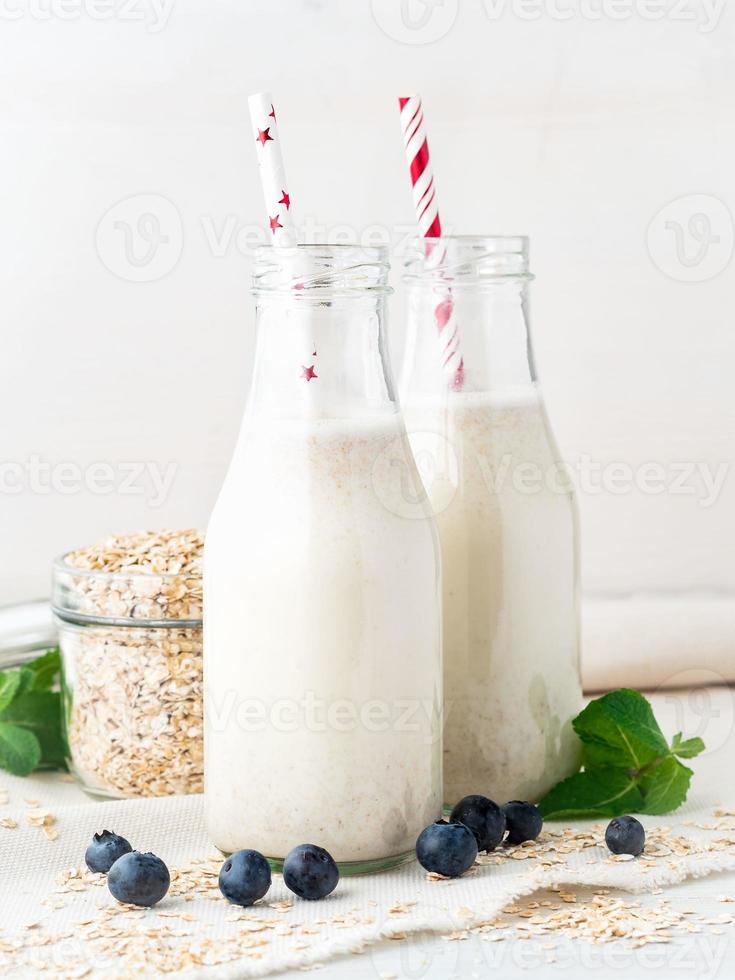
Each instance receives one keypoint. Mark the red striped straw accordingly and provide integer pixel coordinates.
(427, 215)
(272, 169)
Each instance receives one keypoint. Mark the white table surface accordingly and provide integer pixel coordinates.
(708, 712)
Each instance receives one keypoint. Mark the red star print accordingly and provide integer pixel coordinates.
(274, 223)
(286, 199)
(272, 113)
(264, 135)
(308, 372)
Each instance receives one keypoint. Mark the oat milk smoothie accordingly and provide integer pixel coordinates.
(322, 606)
(507, 524)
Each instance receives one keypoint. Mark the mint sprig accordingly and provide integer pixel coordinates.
(31, 735)
(629, 767)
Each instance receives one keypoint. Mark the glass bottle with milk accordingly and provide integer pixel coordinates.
(506, 516)
(322, 632)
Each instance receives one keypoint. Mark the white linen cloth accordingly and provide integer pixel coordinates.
(657, 642)
(362, 912)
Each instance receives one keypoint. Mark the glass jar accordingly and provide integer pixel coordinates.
(506, 515)
(321, 585)
(131, 647)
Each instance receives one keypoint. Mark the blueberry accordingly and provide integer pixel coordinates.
(523, 820)
(484, 818)
(245, 877)
(449, 849)
(625, 835)
(138, 879)
(104, 850)
(310, 871)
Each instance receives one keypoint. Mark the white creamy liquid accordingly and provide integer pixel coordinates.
(511, 675)
(322, 644)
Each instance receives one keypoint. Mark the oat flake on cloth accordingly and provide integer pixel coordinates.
(58, 919)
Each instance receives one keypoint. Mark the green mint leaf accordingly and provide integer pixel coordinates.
(665, 786)
(686, 748)
(619, 730)
(10, 683)
(601, 792)
(39, 712)
(628, 765)
(46, 670)
(31, 733)
(20, 751)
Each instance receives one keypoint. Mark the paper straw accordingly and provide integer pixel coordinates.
(277, 198)
(427, 216)
(272, 170)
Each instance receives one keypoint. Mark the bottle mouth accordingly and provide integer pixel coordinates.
(467, 260)
(320, 271)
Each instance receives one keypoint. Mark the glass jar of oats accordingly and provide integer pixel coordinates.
(129, 616)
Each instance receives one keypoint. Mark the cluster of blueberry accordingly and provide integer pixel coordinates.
(143, 879)
(447, 848)
(477, 824)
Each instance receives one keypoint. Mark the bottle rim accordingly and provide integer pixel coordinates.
(467, 260)
(321, 270)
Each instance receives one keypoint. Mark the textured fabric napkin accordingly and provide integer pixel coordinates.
(77, 929)
(56, 916)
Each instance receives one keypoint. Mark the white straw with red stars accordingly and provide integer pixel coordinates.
(272, 169)
(427, 215)
(275, 191)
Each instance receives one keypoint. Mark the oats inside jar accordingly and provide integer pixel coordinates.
(129, 615)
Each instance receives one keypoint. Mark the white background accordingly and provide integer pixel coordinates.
(576, 131)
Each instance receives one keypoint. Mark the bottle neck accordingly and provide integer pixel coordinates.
(321, 359)
(469, 337)
(320, 343)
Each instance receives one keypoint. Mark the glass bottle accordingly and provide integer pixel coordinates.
(322, 605)
(506, 515)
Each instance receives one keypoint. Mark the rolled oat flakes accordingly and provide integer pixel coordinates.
(129, 615)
